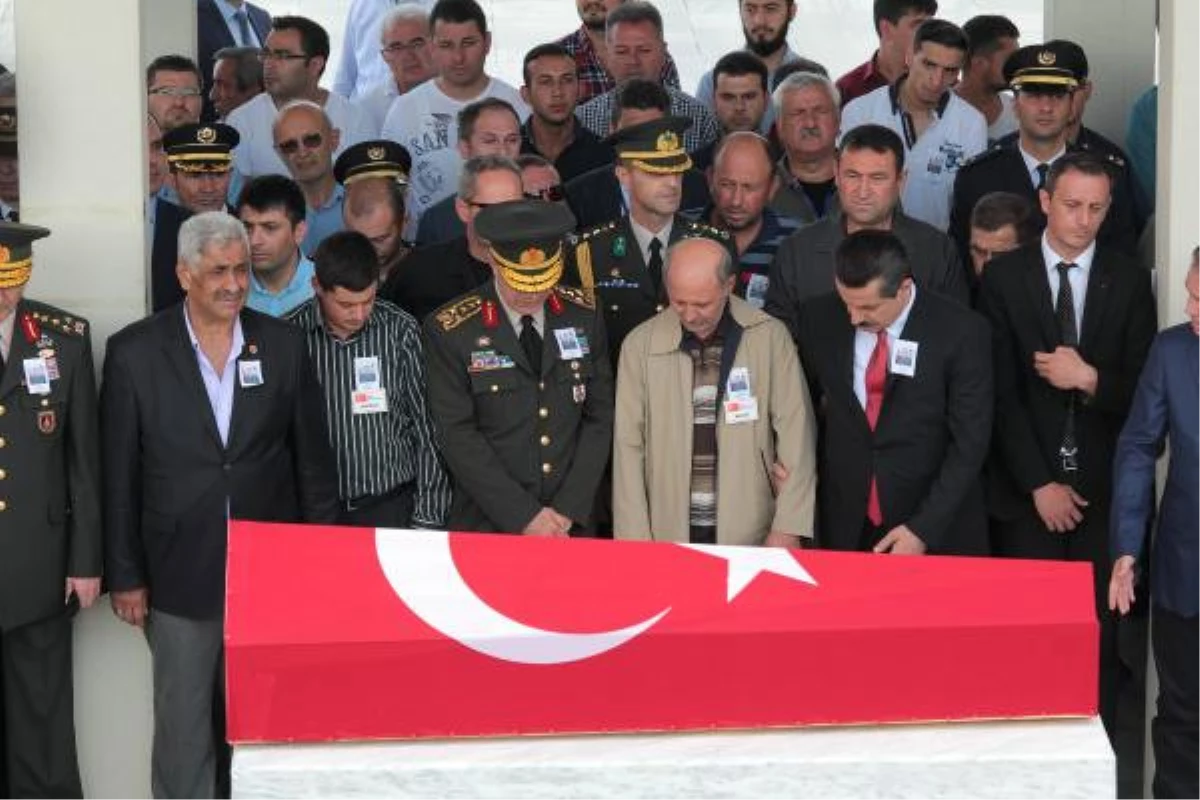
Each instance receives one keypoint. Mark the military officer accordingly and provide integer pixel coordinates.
(520, 383)
(374, 174)
(50, 546)
(620, 262)
(1043, 79)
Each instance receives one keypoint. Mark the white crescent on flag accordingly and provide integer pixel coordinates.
(421, 570)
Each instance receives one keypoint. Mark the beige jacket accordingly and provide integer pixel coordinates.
(652, 448)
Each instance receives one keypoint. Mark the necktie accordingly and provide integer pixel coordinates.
(655, 266)
(243, 27)
(1064, 309)
(876, 381)
(531, 343)
(1042, 170)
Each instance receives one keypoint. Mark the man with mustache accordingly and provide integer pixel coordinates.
(765, 24)
(807, 115)
(209, 412)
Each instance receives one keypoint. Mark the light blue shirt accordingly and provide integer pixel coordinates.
(218, 386)
(1032, 164)
(864, 345)
(1078, 278)
(277, 304)
(229, 12)
(324, 220)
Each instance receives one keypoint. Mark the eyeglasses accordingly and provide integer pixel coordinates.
(551, 194)
(310, 141)
(396, 48)
(280, 55)
(175, 91)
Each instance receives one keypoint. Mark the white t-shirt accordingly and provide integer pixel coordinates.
(957, 133)
(256, 155)
(425, 121)
(377, 101)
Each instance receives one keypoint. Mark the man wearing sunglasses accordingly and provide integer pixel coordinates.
(306, 140)
(540, 180)
(293, 59)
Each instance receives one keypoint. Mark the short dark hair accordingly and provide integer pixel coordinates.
(470, 113)
(458, 11)
(985, 31)
(267, 192)
(550, 49)
(313, 38)
(876, 138)
(247, 71)
(867, 255)
(739, 63)
(641, 94)
(998, 209)
(172, 63)
(942, 32)
(801, 64)
(347, 260)
(1079, 161)
(634, 11)
(893, 10)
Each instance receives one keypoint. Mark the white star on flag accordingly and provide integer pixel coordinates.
(745, 563)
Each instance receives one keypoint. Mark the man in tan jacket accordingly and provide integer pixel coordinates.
(711, 401)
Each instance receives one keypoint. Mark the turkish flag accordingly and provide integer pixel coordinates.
(353, 633)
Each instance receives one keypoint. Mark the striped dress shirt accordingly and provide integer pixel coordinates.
(378, 452)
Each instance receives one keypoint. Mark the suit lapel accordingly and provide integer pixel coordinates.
(843, 336)
(1037, 287)
(245, 398)
(182, 357)
(1095, 301)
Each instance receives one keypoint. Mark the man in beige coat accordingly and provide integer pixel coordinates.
(711, 402)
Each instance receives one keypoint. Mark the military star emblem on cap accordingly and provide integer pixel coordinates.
(1046, 58)
(376, 153)
(206, 135)
(532, 257)
(667, 141)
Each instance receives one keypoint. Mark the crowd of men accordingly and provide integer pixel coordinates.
(904, 311)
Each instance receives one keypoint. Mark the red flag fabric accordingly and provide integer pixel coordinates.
(357, 634)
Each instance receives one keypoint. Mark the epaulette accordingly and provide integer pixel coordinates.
(595, 230)
(1102, 153)
(59, 321)
(576, 295)
(458, 312)
(986, 155)
(694, 228)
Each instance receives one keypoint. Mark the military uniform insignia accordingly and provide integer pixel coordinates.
(491, 314)
(206, 135)
(483, 341)
(577, 296)
(1046, 58)
(5, 254)
(618, 248)
(451, 317)
(31, 329)
(667, 142)
(555, 304)
(47, 421)
(376, 153)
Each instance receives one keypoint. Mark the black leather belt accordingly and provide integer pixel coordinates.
(369, 500)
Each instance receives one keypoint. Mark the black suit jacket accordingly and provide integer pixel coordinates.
(429, 277)
(804, 264)
(165, 290)
(1119, 323)
(595, 196)
(212, 34)
(928, 448)
(168, 479)
(50, 463)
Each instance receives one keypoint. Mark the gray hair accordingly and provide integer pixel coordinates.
(209, 229)
(248, 71)
(803, 80)
(404, 12)
(725, 267)
(476, 166)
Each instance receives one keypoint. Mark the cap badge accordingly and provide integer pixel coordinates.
(206, 135)
(666, 142)
(1046, 58)
(376, 153)
(8, 122)
(532, 257)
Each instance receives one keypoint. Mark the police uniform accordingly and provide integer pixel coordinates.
(1051, 68)
(49, 523)
(376, 161)
(606, 261)
(517, 438)
(196, 148)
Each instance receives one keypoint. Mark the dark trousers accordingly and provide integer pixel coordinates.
(1175, 731)
(1122, 669)
(391, 510)
(39, 711)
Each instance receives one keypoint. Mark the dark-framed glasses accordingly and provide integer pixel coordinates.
(280, 55)
(310, 141)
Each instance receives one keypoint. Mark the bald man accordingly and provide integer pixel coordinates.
(741, 182)
(306, 140)
(754, 402)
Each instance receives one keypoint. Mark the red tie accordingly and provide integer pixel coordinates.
(876, 380)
